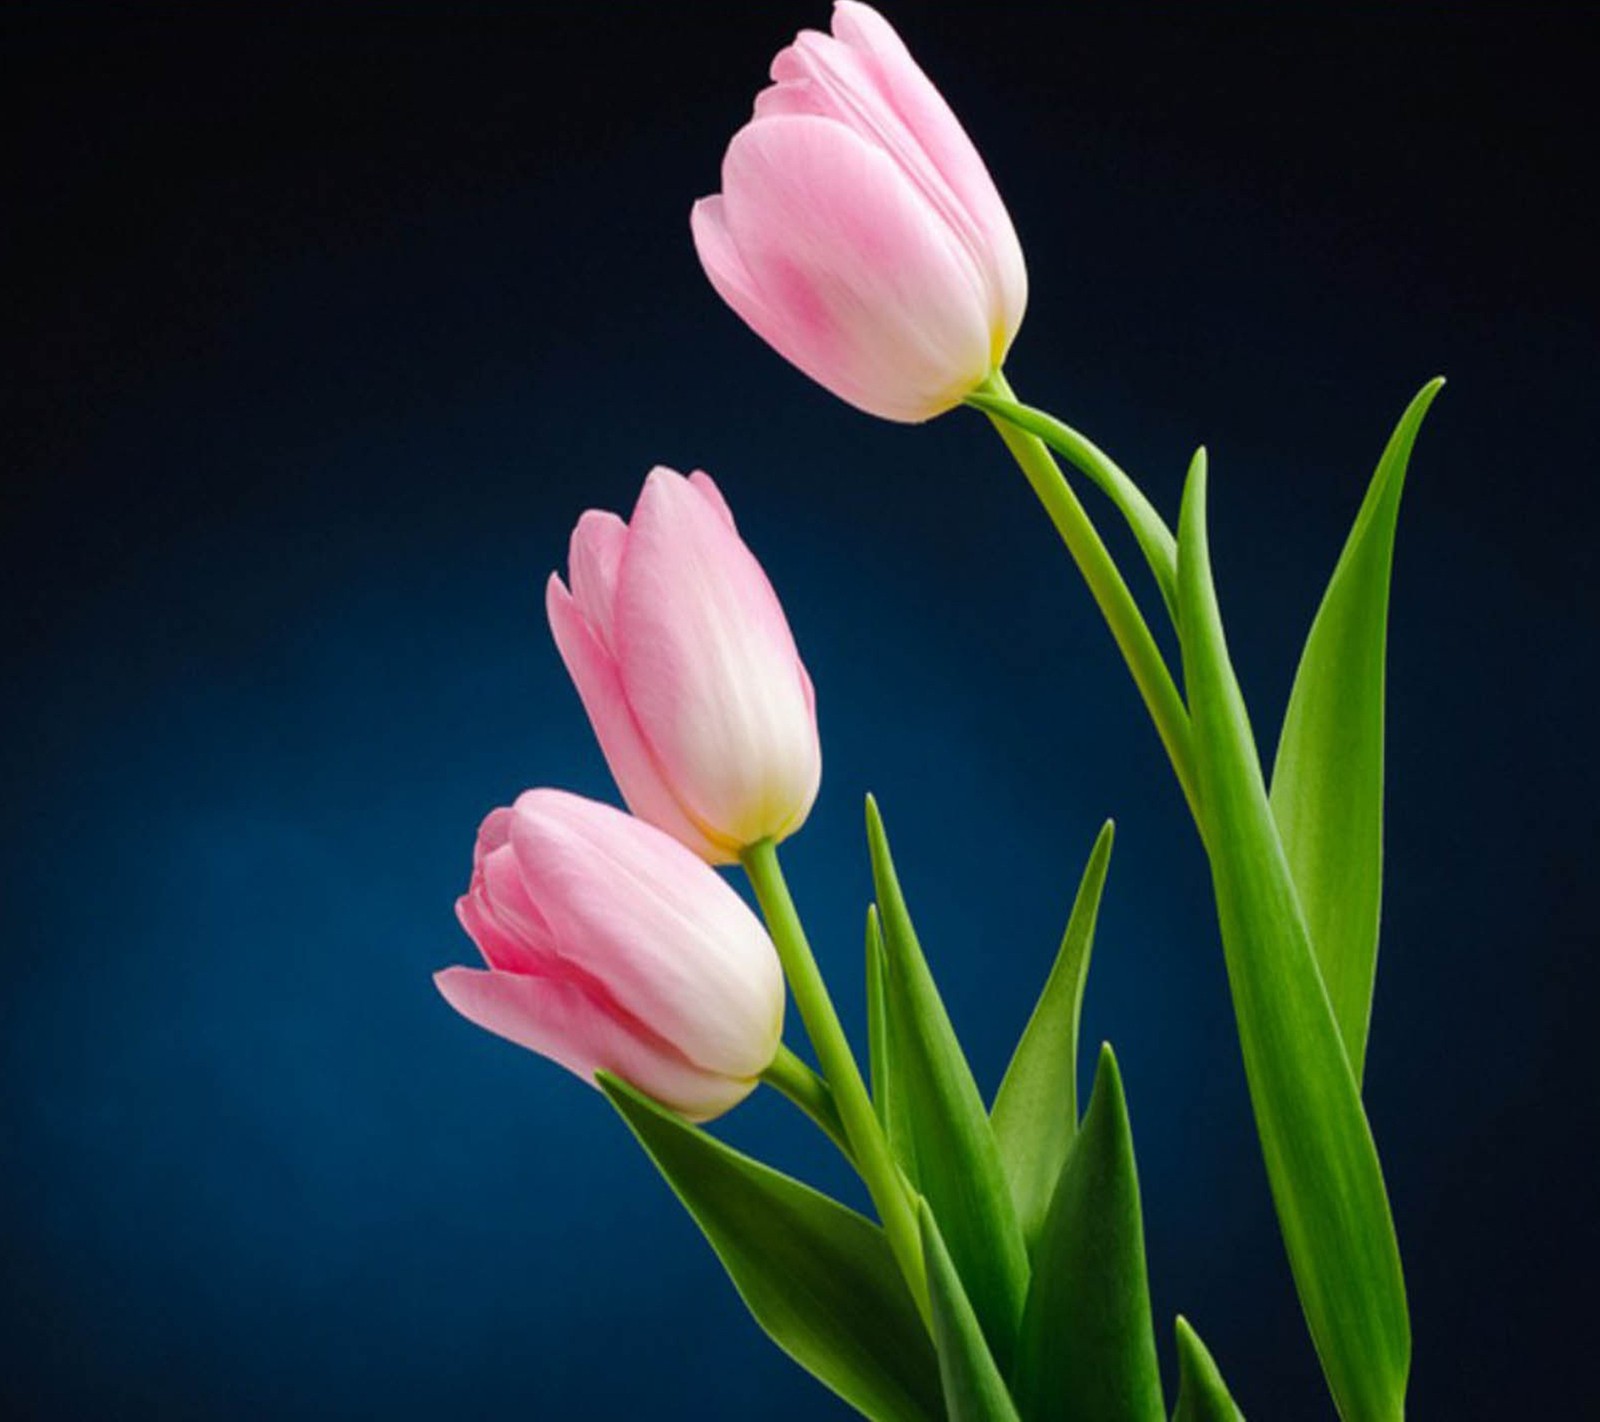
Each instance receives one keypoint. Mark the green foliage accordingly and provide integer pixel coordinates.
(819, 1278)
(1035, 1112)
(973, 1388)
(1320, 1157)
(1327, 784)
(948, 1149)
(1088, 1349)
(1154, 538)
(1202, 1394)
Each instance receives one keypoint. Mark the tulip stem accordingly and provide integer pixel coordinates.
(794, 1079)
(869, 1148)
(1110, 592)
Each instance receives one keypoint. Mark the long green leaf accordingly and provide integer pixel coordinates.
(1035, 1111)
(1327, 784)
(1320, 1157)
(1088, 1347)
(1202, 1394)
(1150, 531)
(880, 1055)
(949, 1152)
(973, 1388)
(819, 1278)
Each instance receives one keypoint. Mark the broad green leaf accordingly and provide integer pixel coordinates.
(1327, 784)
(1088, 1346)
(1320, 1157)
(973, 1388)
(819, 1278)
(1202, 1394)
(949, 1151)
(1149, 529)
(1035, 1111)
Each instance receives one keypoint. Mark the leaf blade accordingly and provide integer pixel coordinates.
(1327, 780)
(1035, 1112)
(1202, 1394)
(950, 1150)
(973, 1388)
(819, 1278)
(1149, 529)
(1322, 1164)
(1088, 1346)
(880, 1051)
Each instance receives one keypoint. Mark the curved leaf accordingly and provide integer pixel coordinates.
(1202, 1394)
(973, 1388)
(1320, 1157)
(819, 1278)
(948, 1149)
(1327, 784)
(1035, 1112)
(1149, 529)
(1088, 1347)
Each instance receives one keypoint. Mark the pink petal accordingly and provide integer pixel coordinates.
(502, 944)
(593, 558)
(595, 674)
(496, 911)
(710, 670)
(672, 944)
(726, 270)
(703, 482)
(861, 283)
(559, 1020)
(915, 101)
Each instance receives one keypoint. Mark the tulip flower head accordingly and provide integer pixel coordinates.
(684, 661)
(610, 946)
(859, 233)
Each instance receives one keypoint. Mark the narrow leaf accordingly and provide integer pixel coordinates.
(890, 1098)
(973, 1388)
(1088, 1347)
(878, 1050)
(1327, 784)
(819, 1278)
(1320, 1157)
(1202, 1394)
(1149, 529)
(949, 1152)
(1035, 1112)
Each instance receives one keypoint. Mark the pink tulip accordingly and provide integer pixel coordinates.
(610, 946)
(858, 231)
(684, 662)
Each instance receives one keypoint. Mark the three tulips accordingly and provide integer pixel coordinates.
(858, 233)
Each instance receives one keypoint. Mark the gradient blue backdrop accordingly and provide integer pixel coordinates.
(326, 328)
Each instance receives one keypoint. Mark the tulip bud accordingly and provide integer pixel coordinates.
(858, 232)
(611, 947)
(685, 663)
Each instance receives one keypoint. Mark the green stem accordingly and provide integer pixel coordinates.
(873, 1160)
(1110, 592)
(791, 1076)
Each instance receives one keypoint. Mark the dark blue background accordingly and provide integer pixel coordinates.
(322, 331)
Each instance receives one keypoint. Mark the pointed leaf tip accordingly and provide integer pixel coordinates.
(1088, 1346)
(1035, 1111)
(1202, 1394)
(1327, 779)
(938, 1121)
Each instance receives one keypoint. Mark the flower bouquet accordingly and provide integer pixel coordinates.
(859, 234)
